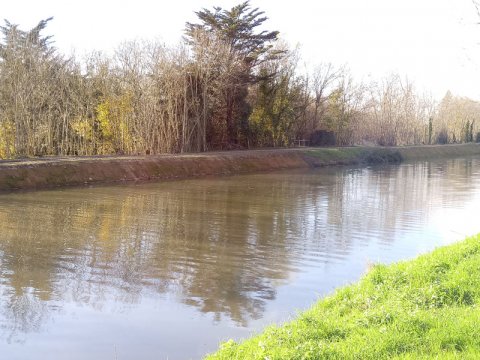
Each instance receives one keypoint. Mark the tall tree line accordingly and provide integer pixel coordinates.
(229, 84)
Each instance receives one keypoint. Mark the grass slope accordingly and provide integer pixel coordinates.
(426, 308)
(355, 155)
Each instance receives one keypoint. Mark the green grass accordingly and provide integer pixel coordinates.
(355, 155)
(426, 308)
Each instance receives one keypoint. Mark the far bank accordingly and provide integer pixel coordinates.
(52, 172)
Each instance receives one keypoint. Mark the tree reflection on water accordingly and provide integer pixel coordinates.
(222, 246)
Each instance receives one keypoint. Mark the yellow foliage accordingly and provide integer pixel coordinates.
(82, 128)
(104, 119)
(113, 116)
(7, 139)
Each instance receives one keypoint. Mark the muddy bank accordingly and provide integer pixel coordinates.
(77, 171)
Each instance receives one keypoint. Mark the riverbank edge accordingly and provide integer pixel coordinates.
(53, 172)
(421, 308)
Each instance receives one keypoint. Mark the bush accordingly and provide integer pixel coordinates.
(442, 137)
(322, 138)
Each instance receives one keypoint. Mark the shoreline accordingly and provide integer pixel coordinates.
(420, 308)
(59, 172)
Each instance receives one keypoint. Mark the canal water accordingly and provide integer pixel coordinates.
(169, 270)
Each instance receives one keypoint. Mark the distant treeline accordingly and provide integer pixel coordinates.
(227, 85)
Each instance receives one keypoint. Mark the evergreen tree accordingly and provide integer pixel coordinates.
(237, 28)
(248, 47)
(33, 98)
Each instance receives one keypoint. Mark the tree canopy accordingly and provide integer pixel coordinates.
(15, 39)
(237, 27)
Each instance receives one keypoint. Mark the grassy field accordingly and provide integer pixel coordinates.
(426, 308)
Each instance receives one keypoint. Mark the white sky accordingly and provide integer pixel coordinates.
(435, 42)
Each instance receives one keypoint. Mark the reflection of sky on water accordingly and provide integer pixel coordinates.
(171, 269)
(454, 223)
(144, 331)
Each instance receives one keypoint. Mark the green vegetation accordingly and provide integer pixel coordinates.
(355, 155)
(423, 308)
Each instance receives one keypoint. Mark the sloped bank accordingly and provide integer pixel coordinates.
(54, 172)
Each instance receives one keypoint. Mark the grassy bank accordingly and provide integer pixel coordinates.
(353, 155)
(390, 155)
(51, 172)
(423, 308)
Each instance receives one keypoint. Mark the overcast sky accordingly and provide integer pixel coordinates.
(435, 42)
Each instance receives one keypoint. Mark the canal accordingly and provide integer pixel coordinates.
(169, 270)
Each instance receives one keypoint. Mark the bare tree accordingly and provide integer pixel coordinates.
(323, 78)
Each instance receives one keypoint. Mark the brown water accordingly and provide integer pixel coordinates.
(169, 270)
